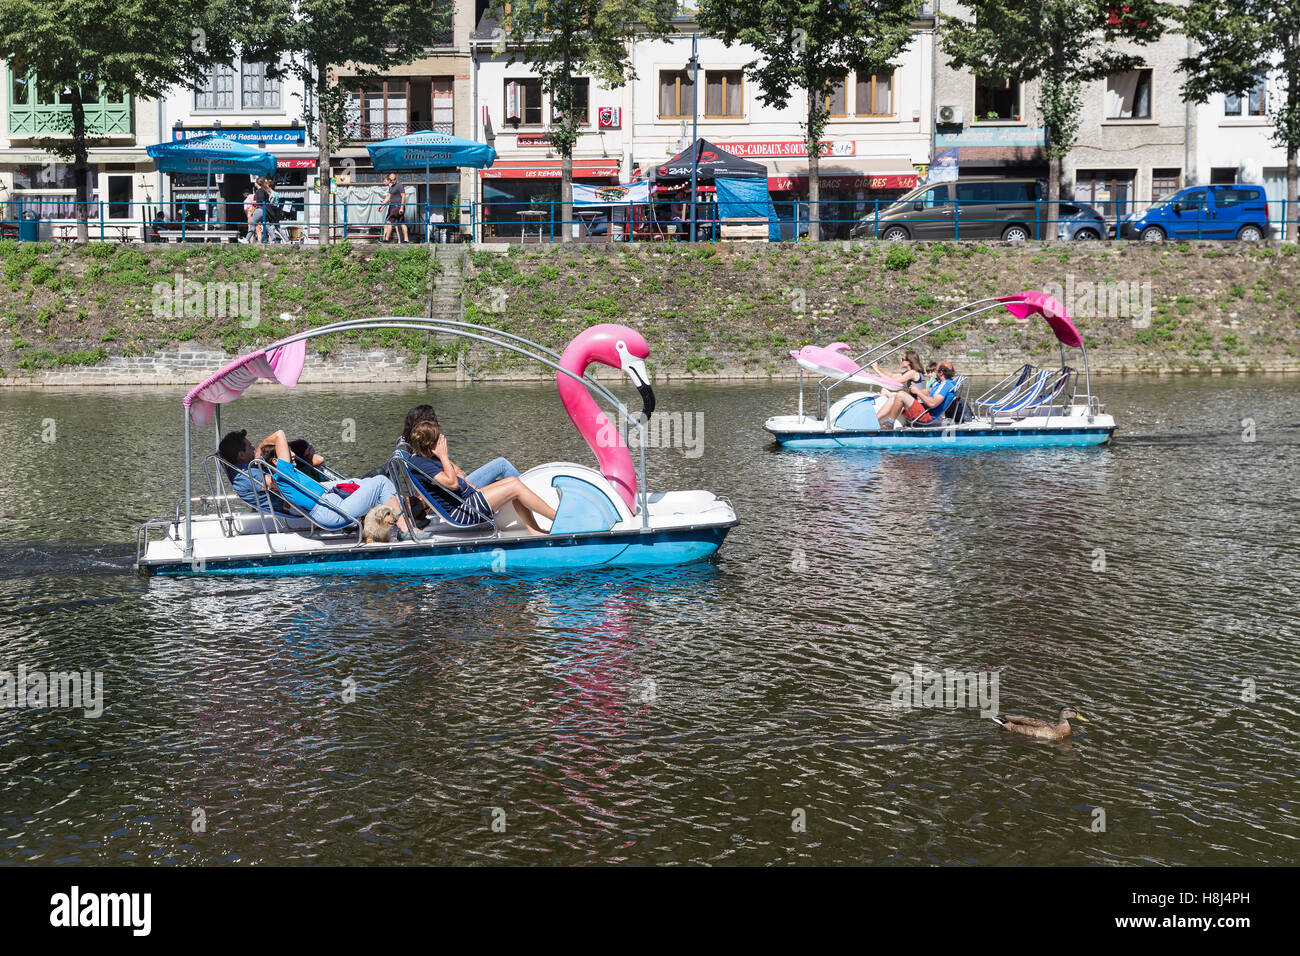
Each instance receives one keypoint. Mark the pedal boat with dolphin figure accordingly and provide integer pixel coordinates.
(605, 516)
(1030, 407)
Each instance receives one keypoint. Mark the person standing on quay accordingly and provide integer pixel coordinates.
(396, 209)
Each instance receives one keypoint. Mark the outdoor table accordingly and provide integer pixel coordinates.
(588, 219)
(531, 217)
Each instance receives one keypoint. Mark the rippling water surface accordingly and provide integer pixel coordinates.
(731, 712)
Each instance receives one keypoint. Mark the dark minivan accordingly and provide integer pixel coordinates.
(983, 209)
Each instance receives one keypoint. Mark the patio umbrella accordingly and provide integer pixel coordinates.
(429, 150)
(208, 154)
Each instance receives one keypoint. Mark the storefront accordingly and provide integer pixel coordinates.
(521, 194)
(1012, 152)
(295, 175)
(361, 195)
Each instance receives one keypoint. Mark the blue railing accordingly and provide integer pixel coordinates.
(525, 222)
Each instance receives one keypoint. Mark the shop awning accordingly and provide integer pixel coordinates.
(550, 169)
(857, 172)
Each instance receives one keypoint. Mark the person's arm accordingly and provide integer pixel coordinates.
(281, 443)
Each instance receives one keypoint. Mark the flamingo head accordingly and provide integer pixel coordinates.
(618, 347)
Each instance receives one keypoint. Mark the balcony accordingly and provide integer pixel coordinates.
(357, 130)
(38, 110)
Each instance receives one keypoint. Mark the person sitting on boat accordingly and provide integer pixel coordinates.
(307, 460)
(321, 504)
(433, 468)
(893, 402)
(934, 401)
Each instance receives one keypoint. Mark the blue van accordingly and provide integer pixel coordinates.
(1203, 212)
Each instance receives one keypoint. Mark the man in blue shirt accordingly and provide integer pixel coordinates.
(937, 399)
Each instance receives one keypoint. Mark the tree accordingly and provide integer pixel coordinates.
(368, 35)
(78, 50)
(810, 45)
(557, 39)
(1238, 43)
(1062, 44)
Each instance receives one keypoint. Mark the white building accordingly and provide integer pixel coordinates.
(878, 135)
(1234, 144)
(240, 102)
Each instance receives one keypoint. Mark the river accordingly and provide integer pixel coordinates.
(734, 712)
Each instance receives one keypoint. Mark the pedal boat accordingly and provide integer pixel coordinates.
(1031, 407)
(605, 516)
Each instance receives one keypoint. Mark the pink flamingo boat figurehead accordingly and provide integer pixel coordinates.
(618, 347)
(834, 361)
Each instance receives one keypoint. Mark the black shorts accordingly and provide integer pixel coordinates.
(394, 213)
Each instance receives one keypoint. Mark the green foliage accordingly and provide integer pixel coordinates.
(899, 257)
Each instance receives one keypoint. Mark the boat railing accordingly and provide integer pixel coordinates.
(260, 466)
(408, 489)
(898, 343)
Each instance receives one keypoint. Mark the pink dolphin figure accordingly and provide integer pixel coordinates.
(834, 361)
(618, 347)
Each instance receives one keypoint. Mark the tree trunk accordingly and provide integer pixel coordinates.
(566, 195)
(1054, 172)
(814, 173)
(79, 163)
(1293, 201)
(323, 157)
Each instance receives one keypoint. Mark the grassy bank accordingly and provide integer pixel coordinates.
(708, 309)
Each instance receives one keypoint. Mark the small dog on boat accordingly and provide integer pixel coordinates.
(378, 524)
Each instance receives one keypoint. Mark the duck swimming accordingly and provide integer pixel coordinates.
(1036, 727)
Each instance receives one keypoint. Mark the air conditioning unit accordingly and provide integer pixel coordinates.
(948, 115)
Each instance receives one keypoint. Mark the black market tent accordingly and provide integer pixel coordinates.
(713, 162)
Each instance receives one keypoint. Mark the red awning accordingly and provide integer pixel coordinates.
(550, 169)
(779, 184)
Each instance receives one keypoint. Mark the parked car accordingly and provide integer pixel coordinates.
(1076, 221)
(1203, 212)
(983, 209)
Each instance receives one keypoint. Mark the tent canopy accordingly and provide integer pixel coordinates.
(1027, 303)
(277, 363)
(430, 150)
(211, 153)
(713, 162)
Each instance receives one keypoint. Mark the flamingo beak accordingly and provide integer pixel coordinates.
(636, 371)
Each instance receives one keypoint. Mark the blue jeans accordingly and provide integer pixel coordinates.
(494, 470)
(373, 491)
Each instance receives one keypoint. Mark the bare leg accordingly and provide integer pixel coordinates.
(500, 493)
(401, 515)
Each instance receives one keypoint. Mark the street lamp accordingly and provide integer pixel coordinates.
(694, 64)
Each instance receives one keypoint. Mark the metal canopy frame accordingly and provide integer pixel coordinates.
(467, 330)
(908, 336)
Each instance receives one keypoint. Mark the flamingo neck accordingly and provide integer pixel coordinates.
(602, 436)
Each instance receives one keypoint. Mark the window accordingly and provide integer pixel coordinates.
(996, 99)
(837, 97)
(581, 99)
(1109, 190)
(524, 101)
(938, 196)
(260, 92)
(1190, 201)
(378, 110)
(1128, 95)
(216, 89)
(444, 105)
(876, 95)
(1164, 182)
(722, 89)
(1234, 197)
(1256, 101)
(675, 88)
(49, 189)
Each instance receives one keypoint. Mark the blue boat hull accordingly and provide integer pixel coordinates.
(501, 555)
(935, 439)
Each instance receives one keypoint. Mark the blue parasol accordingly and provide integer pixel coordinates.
(208, 154)
(429, 150)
